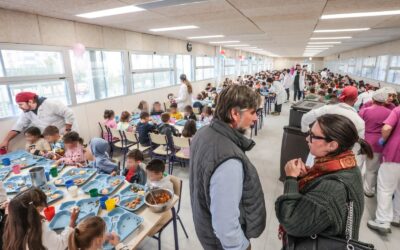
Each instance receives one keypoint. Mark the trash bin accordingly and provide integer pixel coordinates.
(299, 109)
(294, 145)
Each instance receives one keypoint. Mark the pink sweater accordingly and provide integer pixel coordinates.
(73, 156)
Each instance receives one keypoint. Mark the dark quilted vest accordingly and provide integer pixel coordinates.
(210, 147)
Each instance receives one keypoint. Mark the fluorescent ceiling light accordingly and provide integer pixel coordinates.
(220, 42)
(324, 42)
(341, 30)
(361, 14)
(188, 27)
(111, 12)
(237, 45)
(330, 38)
(205, 37)
(319, 46)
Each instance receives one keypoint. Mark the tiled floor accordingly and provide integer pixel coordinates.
(265, 156)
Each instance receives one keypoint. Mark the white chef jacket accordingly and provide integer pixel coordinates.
(184, 98)
(50, 112)
(339, 109)
(302, 79)
(280, 92)
(364, 98)
(287, 81)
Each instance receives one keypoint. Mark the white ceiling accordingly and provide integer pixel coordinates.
(280, 27)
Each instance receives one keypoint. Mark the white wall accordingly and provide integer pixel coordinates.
(288, 62)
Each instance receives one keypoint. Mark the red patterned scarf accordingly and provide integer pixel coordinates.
(329, 164)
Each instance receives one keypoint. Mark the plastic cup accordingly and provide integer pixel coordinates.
(54, 172)
(3, 151)
(49, 212)
(69, 183)
(16, 169)
(103, 202)
(6, 161)
(110, 204)
(47, 175)
(73, 191)
(93, 192)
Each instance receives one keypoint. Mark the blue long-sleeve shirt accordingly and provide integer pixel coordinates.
(226, 187)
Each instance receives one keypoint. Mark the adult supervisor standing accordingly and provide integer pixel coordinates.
(226, 194)
(39, 112)
(185, 93)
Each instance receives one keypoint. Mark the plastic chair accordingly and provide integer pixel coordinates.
(181, 142)
(177, 183)
(133, 137)
(161, 151)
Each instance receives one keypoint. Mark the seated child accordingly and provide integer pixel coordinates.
(157, 110)
(155, 175)
(25, 226)
(174, 113)
(171, 98)
(188, 132)
(35, 144)
(53, 137)
(102, 161)
(189, 114)
(134, 171)
(198, 102)
(124, 120)
(109, 118)
(91, 233)
(75, 154)
(143, 107)
(167, 129)
(144, 128)
(207, 115)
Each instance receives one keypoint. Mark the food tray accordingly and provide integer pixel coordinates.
(121, 222)
(4, 172)
(22, 158)
(79, 175)
(90, 205)
(180, 122)
(15, 183)
(125, 199)
(48, 164)
(105, 184)
(52, 193)
(62, 218)
(129, 191)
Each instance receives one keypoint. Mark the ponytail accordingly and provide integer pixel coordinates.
(187, 83)
(72, 240)
(365, 148)
(85, 232)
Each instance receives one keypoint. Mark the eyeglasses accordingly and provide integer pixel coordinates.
(316, 137)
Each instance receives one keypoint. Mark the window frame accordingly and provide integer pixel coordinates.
(196, 67)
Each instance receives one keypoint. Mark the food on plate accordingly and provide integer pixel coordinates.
(116, 198)
(141, 193)
(82, 172)
(10, 186)
(104, 191)
(72, 173)
(115, 182)
(136, 189)
(133, 203)
(79, 181)
(54, 196)
(159, 197)
(58, 181)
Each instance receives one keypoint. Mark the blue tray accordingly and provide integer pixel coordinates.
(180, 123)
(4, 172)
(90, 205)
(128, 190)
(55, 196)
(47, 164)
(22, 157)
(62, 218)
(124, 199)
(121, 222)
(104, 184)
(15, 183)
(74, 174)
(79, 171)
(67, 205)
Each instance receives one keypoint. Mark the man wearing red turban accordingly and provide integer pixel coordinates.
(39, 112)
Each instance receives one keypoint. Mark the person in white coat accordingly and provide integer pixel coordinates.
(39, 112)
(277, 89)
(185, 93)
(287, 83)
(347, 99)
(26, 228)
(298, 82)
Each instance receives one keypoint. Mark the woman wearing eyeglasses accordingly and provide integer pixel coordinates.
(26, 228)
(313, 201)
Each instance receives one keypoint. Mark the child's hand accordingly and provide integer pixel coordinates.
(74, 216)
(79, 165)
(113, 173)
(57, 162)
(113, 239)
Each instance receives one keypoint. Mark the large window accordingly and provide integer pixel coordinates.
(151, 71)
(204, 68)
(368, 67)
(184, 66)
(351, 66)
(37, 71)
(394, 70)
(98, 75)
(229, 66)
(244, 67)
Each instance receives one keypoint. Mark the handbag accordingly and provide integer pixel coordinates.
(325, 242)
